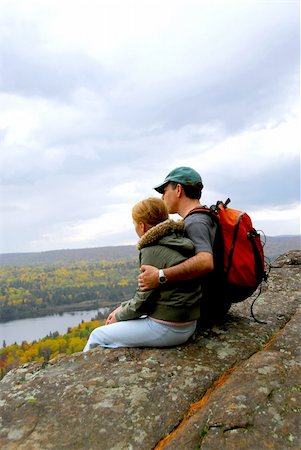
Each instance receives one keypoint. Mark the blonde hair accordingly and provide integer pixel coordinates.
(150, 211)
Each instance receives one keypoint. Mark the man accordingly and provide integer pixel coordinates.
(181, 190)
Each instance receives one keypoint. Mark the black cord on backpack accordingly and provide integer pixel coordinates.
(252, 313)
(265, 277)
(267, 260)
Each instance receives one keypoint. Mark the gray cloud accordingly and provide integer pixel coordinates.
(240, 84)
(275, 184)
(51, 75)
(86, 133)
(30, 67)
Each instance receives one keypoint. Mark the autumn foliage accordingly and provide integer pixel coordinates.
(47, 348)
(32, 291)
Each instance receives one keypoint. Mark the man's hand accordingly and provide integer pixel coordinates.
(148, 278)
(111, 317)
(196, 266)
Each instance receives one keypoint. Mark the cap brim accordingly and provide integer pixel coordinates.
(161, 187)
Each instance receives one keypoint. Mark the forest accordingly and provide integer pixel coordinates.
(40, 287)
(32, 291)
(74, 340)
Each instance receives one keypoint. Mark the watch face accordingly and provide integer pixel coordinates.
(162, 277)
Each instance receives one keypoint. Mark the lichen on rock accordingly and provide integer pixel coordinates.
(237, 385)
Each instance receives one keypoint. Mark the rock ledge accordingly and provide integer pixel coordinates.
(236, 386)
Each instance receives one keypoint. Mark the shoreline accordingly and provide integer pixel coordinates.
(60, 309)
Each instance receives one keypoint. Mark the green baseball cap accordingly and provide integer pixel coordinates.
(182, 175)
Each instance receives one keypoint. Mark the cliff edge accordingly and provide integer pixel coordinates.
(236, 386)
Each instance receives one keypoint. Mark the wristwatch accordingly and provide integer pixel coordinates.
(162, 276)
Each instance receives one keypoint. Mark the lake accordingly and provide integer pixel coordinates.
(38, 327)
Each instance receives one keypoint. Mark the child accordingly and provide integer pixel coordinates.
(161, 317)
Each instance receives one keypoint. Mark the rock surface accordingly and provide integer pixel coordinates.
(236, 386)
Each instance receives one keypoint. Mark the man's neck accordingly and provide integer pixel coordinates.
(187, 206)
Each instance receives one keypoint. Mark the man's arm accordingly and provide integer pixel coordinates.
(193, 267)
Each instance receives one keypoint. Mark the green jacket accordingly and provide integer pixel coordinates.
(163, 246)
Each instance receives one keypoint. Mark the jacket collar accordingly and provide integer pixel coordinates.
(159, 231)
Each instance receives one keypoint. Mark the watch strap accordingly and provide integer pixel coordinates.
(162, 276)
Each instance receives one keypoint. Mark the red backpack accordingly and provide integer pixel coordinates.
(238, 253)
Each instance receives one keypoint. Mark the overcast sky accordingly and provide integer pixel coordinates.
(99, 100)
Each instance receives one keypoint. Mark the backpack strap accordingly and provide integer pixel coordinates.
(204, 210)
(212, 211)
(218, 244)
(233, 244)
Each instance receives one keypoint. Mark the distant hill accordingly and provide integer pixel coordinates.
(61, 257)
(275, 246)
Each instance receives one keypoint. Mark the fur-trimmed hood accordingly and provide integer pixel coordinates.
(169, 233)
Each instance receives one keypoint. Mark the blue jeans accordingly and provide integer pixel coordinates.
(143, 332)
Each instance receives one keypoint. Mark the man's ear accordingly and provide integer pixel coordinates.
(179, 189)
